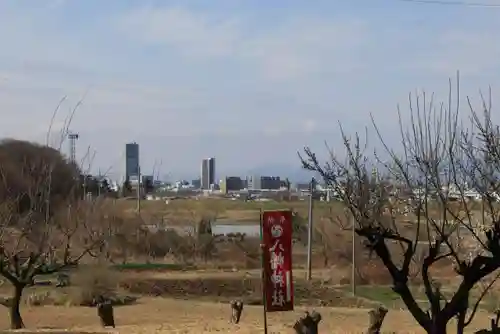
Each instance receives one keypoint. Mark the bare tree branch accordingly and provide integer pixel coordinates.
(441, 170)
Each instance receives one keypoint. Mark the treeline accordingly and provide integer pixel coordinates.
(26, 168)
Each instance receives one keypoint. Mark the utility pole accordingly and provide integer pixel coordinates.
(353, 268)
(139, 189)
(310, 229)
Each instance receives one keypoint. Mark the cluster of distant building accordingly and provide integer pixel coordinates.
(207, 180)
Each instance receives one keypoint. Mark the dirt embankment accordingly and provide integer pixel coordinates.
(220, 289)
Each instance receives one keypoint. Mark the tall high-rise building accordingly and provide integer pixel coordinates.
(204, 178)
(211, 170)
(207, 173)
(132, 161)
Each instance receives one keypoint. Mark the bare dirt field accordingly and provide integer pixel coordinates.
(197, 302)
(160, 315)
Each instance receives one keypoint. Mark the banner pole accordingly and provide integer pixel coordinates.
(263, 272)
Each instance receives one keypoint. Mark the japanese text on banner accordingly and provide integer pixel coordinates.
(277, 237)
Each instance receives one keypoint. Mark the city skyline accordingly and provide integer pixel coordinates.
(250, 84)
(207, 176)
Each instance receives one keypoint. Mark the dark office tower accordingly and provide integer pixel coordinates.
(211, 171)
(207, 173)
(131, 161)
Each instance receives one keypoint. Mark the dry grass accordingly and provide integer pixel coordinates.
(241, 215)
(86, 285)
(157, 315)
(182, 211)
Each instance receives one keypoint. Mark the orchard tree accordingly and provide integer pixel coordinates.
(44, 225)
(428, 179)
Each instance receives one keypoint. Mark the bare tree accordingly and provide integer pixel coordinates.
(128, 237)
(25, 171)
(325, 235)
(42, 233)
(31, 248)
(443, 157)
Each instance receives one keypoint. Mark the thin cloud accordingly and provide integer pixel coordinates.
(473, 52)
(193, 34)
(294, 48)
(299, 46)
(303, 47)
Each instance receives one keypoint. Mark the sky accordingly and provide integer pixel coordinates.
(248, 82)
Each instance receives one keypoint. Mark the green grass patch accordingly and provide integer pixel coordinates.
(381, 294)
(384, 294)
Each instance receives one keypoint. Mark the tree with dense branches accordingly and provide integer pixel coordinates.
(428, 180)
(96, 186)
(45, 227)
(24, 169)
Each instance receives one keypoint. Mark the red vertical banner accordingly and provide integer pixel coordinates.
(277, 260)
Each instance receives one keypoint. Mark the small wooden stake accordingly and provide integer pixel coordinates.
(376, 319)
(236, 310)
(308, 323)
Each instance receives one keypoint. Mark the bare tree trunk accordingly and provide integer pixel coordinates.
(308, 323)
(16, 321)
(236, 310)
(461, 321)
(325, 258)
(438, 328)
(105, 313)
(377, 317)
